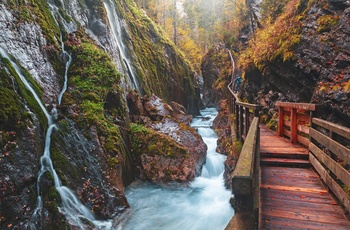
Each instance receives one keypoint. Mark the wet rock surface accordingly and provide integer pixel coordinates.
(167, 147)
(27, 44)
(225, 143)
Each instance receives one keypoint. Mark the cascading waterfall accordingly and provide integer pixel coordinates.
(71, 207)
(202, 205)
(67, 26)
(64, 56)
(115, 23)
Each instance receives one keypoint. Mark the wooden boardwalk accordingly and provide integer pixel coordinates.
(291, 194)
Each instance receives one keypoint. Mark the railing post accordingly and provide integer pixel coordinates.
(237, 121)
(241, 123)
(293, 126)
(246, 121)
(280, 121)
(233, 104)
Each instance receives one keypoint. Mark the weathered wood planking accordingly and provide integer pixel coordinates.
(338, 149)
(331, 183)
(294, 198)
(324, 163)
(331, 164)
(341, 130)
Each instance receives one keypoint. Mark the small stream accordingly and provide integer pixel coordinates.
(204, 204)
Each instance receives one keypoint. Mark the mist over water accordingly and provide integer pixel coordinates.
(203, 204)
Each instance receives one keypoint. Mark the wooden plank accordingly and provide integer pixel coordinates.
(305, 209)
(291, 188)
(273, 222)
(304, 118)
(287, 133)
(318, 198)
(294, 198)
(341, 130)
(303, 140)
(337, 169)
(249, 106)
(303, 129)
(291, 149)
(286, 123)
(300, 215)
(333, 185)
(303, 106)
(333, 146)
(286, 162)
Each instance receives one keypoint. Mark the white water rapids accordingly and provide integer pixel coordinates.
(204, 204)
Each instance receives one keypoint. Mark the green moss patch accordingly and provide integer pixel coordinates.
(150, 142)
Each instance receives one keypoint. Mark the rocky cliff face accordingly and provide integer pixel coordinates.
(90, 147)
(319, 73)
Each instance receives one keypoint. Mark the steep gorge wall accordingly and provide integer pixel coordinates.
(90, 147)
(318, 71)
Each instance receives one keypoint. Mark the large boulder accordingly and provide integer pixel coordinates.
(164, 145)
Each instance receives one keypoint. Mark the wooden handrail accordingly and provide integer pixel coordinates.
(328, 156)
(298, 119)
(243, 175)
(245, 178)
(243, 113)
(304, 106)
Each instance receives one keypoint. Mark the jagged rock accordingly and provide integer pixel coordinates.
(180, 114)
(168, 148)
(221, 125)
(169, 152)
(156, 108)
(135, 104)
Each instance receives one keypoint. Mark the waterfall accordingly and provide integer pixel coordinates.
(116, 25)
(204, 204)
(233, 65)
(64, 56)
(71, 207)
(70, 26)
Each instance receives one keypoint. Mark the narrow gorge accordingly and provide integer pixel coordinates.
(79, 81)
(114, 113)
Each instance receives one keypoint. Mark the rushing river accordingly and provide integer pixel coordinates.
(204, 204)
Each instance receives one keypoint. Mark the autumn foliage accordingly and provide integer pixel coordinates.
(276, 40)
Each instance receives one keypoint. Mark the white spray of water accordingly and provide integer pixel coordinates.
(202, 205)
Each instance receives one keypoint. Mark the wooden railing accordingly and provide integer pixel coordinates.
(330, 156)
(244, 113)
(294, 121)
(245, 181)
(245, 178)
